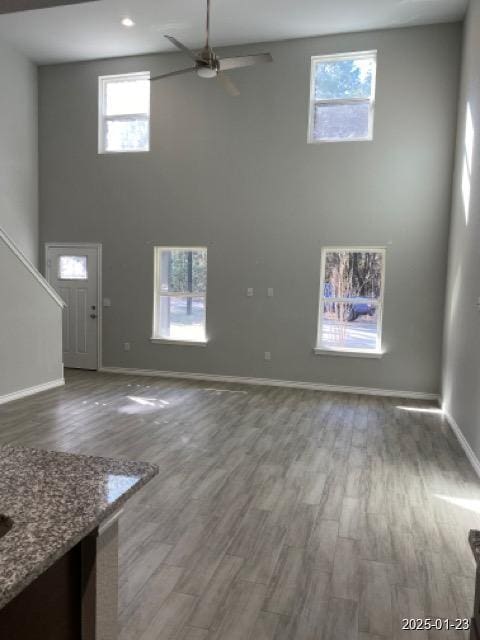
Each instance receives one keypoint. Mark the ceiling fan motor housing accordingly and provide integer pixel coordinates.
(207, 62)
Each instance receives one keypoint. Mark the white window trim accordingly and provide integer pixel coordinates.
(350, 353)
(320, 349)
(102, 117)
(186, 343)
(155, 339)
(356, 55)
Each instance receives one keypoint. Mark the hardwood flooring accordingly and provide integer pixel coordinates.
(278, 514)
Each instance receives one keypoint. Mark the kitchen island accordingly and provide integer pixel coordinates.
(59, 542)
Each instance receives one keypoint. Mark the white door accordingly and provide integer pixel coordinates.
(73, 271)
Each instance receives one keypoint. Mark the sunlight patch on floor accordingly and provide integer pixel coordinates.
(465, 503)
(421, 410)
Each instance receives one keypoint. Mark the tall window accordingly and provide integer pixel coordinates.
(180, 294)
(124, 113)
(342, 97)
(351, 299)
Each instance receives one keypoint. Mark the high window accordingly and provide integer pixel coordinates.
(180, 294)
(351, 300)
(124, 113)
(342, 97)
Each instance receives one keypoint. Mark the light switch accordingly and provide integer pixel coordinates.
(270, 292)
(126, 346)
(249, 292)
(107, 302)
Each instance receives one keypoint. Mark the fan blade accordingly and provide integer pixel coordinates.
(191, 54)
(244, 61)
(227, 84)
(10, 6)
(173, 73)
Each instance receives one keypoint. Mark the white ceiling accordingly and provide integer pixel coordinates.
(93, 30)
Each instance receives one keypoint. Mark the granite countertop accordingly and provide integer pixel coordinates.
(54, 500)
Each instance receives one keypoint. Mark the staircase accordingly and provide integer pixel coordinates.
(30, 327)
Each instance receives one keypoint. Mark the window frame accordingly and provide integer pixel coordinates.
(321, 349)
(157, 294)
(103, 117)
(313, 102)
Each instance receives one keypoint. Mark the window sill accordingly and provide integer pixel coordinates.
(122, 152)
(334, 140)
(351, 353)
(189, 343)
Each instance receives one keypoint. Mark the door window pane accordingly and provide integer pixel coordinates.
(72, 268)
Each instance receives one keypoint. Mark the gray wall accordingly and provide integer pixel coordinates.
(18, 150)
(30, 329)
(238, 176)
(30, 321)
(461, 368)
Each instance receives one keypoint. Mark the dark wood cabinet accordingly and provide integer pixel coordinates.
(474, 540)
(50, 607)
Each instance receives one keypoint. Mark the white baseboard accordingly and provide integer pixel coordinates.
(469, 452)
(313, 386)
(23, 393)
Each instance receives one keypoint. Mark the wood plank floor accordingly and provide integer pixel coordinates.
(278, 514)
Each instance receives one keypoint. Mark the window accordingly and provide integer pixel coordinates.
(351, 300)
(180, 294)
(342, 97)
(124, 113)
(72, 268)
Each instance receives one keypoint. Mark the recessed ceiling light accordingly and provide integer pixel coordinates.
(128, 22)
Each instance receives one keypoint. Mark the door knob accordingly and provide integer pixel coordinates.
(93, 316)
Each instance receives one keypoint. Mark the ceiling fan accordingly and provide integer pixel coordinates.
(11, 6)
(208, 65)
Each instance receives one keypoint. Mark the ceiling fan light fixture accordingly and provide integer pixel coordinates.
(206, 72)
(127, 22)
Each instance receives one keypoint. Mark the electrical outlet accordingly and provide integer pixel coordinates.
(126, 346)
(268, 355)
